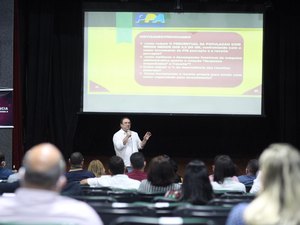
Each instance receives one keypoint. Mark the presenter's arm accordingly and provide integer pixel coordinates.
(145, 139)
(120, 142)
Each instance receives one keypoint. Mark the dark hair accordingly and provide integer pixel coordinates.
(123, 118)
(252, 166)
(224, 167)
(196, 186)
(137, 160)
(161, 172)
(116, 165)
(76, 159)
(2, 157)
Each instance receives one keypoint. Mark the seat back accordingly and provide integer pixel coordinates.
(229, 202)
(218, 214)
(111, 211)
(149, 197)
(89, 199)
(135, 220)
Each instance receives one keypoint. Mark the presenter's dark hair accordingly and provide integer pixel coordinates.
(123, 118)
(196, 186)
(137, 160)
(161, 172)
(116, 165)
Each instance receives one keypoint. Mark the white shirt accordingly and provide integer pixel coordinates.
(125, 151)
(43, 206)
(121, 181)
(229, 184)
(256, 184)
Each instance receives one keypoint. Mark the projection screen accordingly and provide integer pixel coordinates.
(173, 63)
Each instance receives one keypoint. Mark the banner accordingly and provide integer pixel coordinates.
(6, 108)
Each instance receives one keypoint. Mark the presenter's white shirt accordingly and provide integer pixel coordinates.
(125, 151)
(121, 181)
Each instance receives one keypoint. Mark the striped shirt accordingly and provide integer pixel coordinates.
(147, 187)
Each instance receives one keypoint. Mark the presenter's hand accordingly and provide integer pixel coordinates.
(128, 133)
(147, 136)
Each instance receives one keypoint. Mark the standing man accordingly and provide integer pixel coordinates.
(127, 142)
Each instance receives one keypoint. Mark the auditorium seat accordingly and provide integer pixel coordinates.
(162, 208)
(148, 197)
(218, 214)
(111, 211)
(135, 220)
(227, 201)
(89, 199)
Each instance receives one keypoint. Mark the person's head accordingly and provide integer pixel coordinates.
(160, 171)
(76, 160)
(2, 160)
(116, 165)
(196, 186)
(174, 164)
(224, 167)
(279, 197)
(125, 123)
(96, 167)
(137, 160)
(252, 167)
(43, 168)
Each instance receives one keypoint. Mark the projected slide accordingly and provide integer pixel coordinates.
(198, 63)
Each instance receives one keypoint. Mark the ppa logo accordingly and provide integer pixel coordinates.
(150, 19)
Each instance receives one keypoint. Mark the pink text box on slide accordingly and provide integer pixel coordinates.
(204, 59)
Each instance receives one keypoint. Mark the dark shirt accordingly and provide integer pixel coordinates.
(4, 173)
(246, 179)
(137, 175)
(78, 175)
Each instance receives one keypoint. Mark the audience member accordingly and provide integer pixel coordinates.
(76, 172)
(251, 171)
(196, 187)
(223, 175)
(279, 197)
(96, 167)
(161, 176)
(256, 184)
(4, 172)
(38, 199)
(138, 164)
(178, 178)
(211, 176)
(117, 179)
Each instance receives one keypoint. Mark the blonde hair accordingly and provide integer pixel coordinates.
(96, 167)
(278, 200)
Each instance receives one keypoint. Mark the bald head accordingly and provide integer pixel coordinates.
(43, 164)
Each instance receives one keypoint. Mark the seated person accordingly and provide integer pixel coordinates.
(138, 164)
(76, 172)
(96, 167)
(118, 179)
(38, 200)
(223, 176)
(4, 172)
(277, 202)
(251, 171)
(174, 164)
(256, 186)
(161, 176)
(211, 176)
(196, 188)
